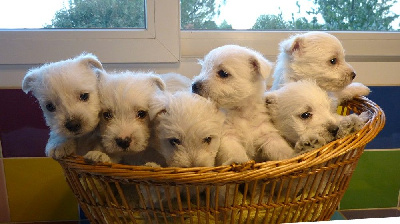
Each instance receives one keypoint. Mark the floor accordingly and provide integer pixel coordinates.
(366, 213)
(339, 215)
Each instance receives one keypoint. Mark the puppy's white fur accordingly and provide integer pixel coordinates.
(68, 96)
(319, 56)
(302, 112)
(125, 124)
(234, 77)
(187, 129)
(187, 133)
(175, 82)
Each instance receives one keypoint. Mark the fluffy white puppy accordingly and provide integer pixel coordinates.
(319, 56)
(234, 77)
(302, 112)
(187, 129)
(68, 96)
(125, 125)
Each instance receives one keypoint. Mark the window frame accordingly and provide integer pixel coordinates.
(158, 43)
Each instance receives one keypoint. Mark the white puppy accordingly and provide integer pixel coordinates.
(319, 56)
(187, 133)
(187, 129)
(234, 77)
(125, 124)
(302, 112)
(67, 93)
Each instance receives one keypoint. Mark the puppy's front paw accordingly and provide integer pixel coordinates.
(97, 156)
(152, 164)
(353, 90)
(308, 143)
(236, 160)
(358, 89)
(58, 150)
(351, 123)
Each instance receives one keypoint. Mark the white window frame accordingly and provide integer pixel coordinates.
(158, 43)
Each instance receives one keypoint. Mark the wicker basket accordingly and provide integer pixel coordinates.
(306, 188)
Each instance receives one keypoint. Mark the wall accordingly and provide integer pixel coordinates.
(32, 187)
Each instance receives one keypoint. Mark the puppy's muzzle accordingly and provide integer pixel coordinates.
(73, 125)
(333, 129)
(123, 143)
(196, 87)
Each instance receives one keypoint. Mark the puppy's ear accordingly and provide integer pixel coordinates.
(158, 82)
(271, 100)
(261, 66)
(91, 60)
(30, 79)
(293, 45)
(158, 104)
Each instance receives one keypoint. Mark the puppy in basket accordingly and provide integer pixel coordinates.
(68, 96)
(234, 78)
(302, 113)
(187, 133)
(187, 129)
(125, 124)
(319, 56)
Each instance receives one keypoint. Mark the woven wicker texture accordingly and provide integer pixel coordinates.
(305, 188)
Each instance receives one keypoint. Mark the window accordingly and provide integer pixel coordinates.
(333, 15)
(77, 14)
(261, 25)
(158, 42)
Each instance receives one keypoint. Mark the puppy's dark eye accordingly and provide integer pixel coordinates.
(107, 115)
(174, 141)
(207, 140)
(84, 97)
(50, 107)
(333, 61)
(306, 115)
(223, 74)
(141, 114)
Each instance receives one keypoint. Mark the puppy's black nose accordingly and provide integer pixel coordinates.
(123, 143)
(333, 129)
(73, 125)
(353, 75)
(196, 87)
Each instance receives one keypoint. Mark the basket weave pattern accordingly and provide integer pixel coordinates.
(305, 188)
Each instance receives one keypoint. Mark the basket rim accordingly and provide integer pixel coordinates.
(242, 172)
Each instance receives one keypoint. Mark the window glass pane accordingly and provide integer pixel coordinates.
(72, 14)
(336, 15)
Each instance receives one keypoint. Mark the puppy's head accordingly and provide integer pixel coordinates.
(319, 56)
(125, 99)
(67, 94)
(188, 129)
(302, 108)
(231, 74)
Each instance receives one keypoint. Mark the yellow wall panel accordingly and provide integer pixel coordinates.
(37, 190)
